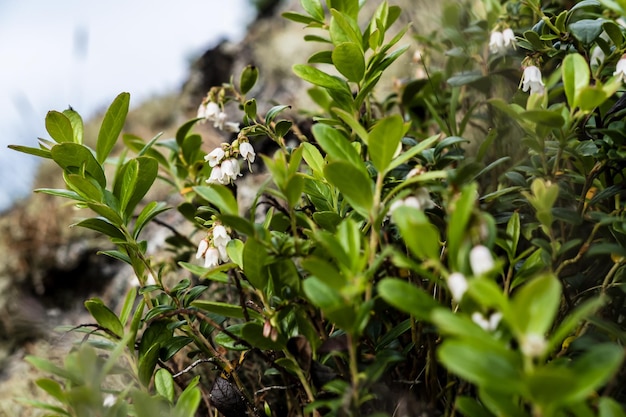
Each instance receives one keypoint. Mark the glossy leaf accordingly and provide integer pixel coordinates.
(353, 183)
(103, 226)
(407, 297)
(336, 145)
(255, 263)
(223, 309)
(59, 127)
(320, 78)
(383, 142)
(248, 78)
(112, 125)
(575, 73)
(349, 60)
(535, 305)
(220, 196)
(483, 364)
(104, 316)
(420, 236)
(164, 384)
(72, 155)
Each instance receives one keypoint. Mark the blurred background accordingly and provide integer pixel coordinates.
(83, 53)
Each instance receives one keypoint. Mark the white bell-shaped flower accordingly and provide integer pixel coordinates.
(215, 156)
(531, 80)
(247, 151)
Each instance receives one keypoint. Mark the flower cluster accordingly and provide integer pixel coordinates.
(213, 247)
(224, 161)
(212, 112)
(531, 79)
(499, 42)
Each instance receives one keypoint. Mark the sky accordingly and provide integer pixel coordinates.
(83, 53)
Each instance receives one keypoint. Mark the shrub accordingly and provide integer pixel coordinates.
(384, 263)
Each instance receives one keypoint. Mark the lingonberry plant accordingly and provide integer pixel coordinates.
(386, 266)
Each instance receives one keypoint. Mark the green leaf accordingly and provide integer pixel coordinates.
(137, 177)
(127, 307)
(457, 225)
(101, 225)
(354, 184)
(188, 402)
(164, 384)
(314, 8)
(343, 28)
(52, 387)
(77, 124)
(314, 159)
(586, 30)
(336, 145)
(147, 362)
(112, 125)
(320, 78)
(349, 60)
(300, 18)
(59, 127)
(384, 139)
(255, 263)
(594, 368)
(40, 152)
(535, 305)
(86, 187)
(104, 316)
(330, 301)
(248, 78)
(591, 97)
(407, 297)
(78, 157)
(220, 196)
(249, 107)
(575, 73)
(547, 118)
(485, 365)
(608, 407)
(419, 234)
(149, 212)
(223, 309)
(275, 111)
(184, 130)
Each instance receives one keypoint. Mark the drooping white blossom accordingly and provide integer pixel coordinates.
(230, 170)
(247, 151)
(496, 42)
(457, 284)
(220, 240)
(211, 257)
(481, 260)
(508, 37)
(531, 79)
(217, 177)
(215, 156)
(219, 120)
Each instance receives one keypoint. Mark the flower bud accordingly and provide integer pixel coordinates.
(457, 284)
(481, 260)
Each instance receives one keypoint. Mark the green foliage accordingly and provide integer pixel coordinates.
(456, 234)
